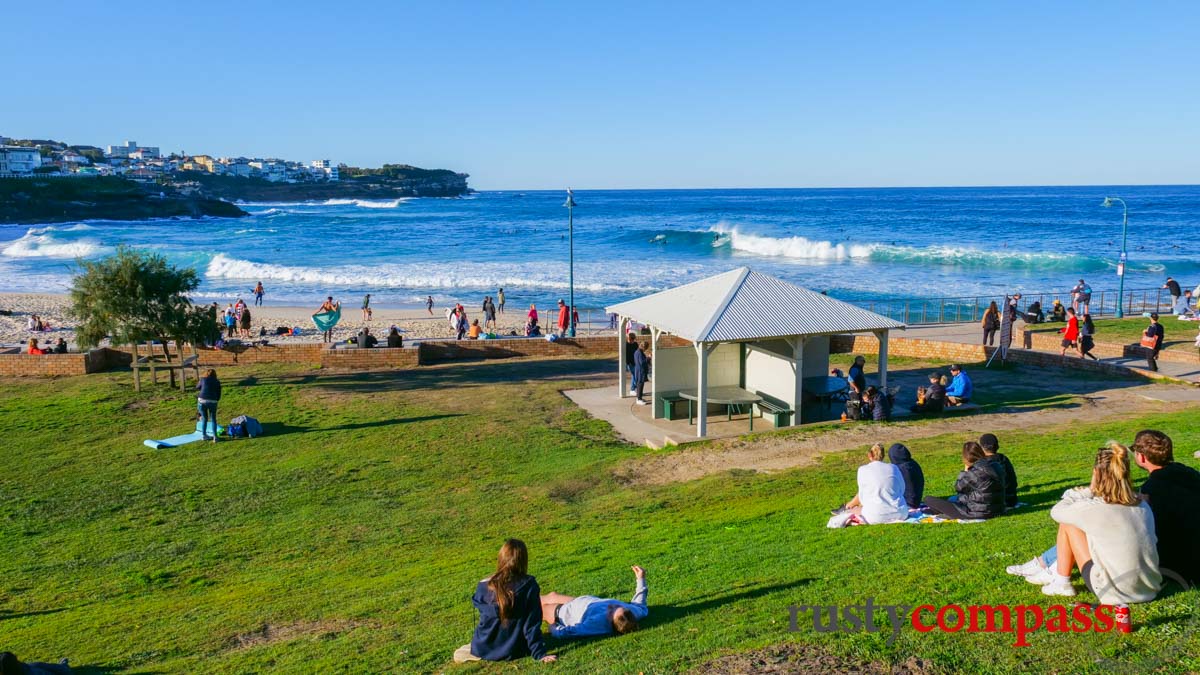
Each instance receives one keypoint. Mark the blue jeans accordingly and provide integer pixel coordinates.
(208, 411)
(1050, 557)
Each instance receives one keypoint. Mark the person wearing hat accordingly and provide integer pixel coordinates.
(1154, 331)
(1172, 287)
(960, 389)
(931, 399)
(1058, 312)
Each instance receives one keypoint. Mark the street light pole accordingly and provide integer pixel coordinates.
(1108, 202)
(571, 268)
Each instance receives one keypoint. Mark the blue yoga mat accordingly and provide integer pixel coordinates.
(176, 441)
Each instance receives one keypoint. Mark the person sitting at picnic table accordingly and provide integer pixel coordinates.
(32, 347)
(979, 488)
(961, 389)
(1059, 312)
(394, 338)
(910, 471)
(588, 615)
(931, 399)
(475, 330)
(1105, 530)
(881, 488)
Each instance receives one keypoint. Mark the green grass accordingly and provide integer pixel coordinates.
(356, 531)
(1179, 335)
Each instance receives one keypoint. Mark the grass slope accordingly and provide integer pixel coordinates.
(351, 537)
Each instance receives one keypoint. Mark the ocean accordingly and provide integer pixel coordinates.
(856, 244)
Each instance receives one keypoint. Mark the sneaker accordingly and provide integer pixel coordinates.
(641, 402)
(1025, 569)
(206, 438)
(1059, 586)
(838, 511)
(1041, 577)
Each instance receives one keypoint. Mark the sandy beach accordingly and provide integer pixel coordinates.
(415, 323)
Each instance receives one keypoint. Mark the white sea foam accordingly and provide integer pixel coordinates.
(40, 243)
(788, 247)
(252, 229)
(367, 203)
(77, 227)
(527, 275)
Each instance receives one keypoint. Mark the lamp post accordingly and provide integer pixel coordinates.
(570, 204)
(1108, 202)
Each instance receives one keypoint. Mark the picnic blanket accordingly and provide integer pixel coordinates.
(921, 516)
(327, 320)
(176, 441)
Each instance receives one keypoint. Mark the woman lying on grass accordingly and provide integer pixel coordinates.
(1106, 531)
(880, 497)
(510, 612)
(588, 615)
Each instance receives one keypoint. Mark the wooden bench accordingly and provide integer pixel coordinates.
(775, 410)
(669, 400)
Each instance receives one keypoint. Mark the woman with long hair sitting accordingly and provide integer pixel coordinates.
(1105, 530)
(510, 612)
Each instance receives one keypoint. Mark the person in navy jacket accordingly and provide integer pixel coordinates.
(510, 612)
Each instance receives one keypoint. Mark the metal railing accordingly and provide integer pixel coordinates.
(966, 309)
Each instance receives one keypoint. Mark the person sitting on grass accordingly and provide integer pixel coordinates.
(980, 489)
(878, 403)
(1173, 492)
(510, 612)
(1058, 313)
(588, 615)
(910, 471)
(881, 488)
(11, 665)
(33, 348)
(961, 389)
(931, 399)
(1105, 530)
(991, 449)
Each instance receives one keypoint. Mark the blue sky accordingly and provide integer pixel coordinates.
(630, 95)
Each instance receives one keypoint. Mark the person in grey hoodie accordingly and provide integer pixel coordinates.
(914, 478)
(588, 615)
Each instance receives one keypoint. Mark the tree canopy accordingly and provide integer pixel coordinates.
(134, 296)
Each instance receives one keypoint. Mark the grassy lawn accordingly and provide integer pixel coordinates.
(1179, 335)
(351, 537)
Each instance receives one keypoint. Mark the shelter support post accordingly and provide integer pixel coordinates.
(702, 351)
(622, 364)
(798, 395)
(882, 336)
(655, 408)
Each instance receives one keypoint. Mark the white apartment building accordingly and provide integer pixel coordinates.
(324, 168)
(130, 148)
(19, 159)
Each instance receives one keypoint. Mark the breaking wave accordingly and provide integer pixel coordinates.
(39, 242)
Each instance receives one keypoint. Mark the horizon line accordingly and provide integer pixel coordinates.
(841, 187)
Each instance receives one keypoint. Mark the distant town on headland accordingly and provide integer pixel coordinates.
(134, 182)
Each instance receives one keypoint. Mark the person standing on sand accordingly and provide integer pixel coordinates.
(532, 316)
(258, 294)
(500, 297)
(489, 311)
(429, 305)
(366, 307)
(327, 306)
(230, 323)
(1155, 332)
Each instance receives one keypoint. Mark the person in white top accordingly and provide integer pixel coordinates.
(1105, 530)
(880, 497)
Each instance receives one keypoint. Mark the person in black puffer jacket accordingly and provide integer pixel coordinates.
(914, 478)
(980, 488)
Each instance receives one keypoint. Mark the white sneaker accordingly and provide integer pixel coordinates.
(1059, 586)
(641, 402)
(1041, 577)
(1025, 569)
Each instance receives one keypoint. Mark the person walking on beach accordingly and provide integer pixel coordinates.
(991, 324)
(258, 294)
(1152, 339)
(429, 305)
(489, 314)
(209, 389)
(1070, 332)
(366, 307)
(500, 297)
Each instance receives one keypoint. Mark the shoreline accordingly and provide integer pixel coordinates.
(413, 323)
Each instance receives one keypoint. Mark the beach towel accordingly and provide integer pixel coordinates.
(327, 320)
(176, 441)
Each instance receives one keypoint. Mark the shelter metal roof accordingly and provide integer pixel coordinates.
(744, 305)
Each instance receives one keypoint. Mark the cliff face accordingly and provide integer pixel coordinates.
(415, 183)
(56, 200)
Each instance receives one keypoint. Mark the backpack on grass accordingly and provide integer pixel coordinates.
(244, 427)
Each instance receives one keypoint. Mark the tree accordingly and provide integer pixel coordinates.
(134, 296)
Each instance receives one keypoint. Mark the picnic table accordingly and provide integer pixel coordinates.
(825, 387)
(730, 397)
